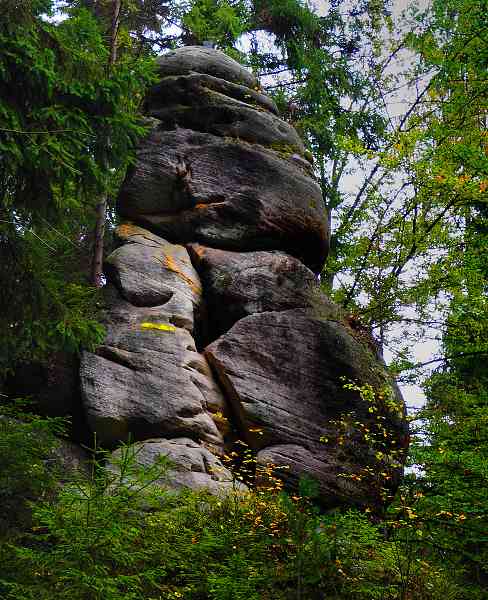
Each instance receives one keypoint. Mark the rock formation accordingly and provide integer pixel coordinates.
(217, 329)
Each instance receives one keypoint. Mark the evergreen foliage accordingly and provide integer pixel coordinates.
(114, 536)
(58, 106)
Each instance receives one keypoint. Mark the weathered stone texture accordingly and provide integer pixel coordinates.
(239, 284)
(284, 373)
(149, 271)
(198, 59)
(185, 90)
(222, 174)
(191, 186)
(191, 466)
(211, 105)
(148, 379)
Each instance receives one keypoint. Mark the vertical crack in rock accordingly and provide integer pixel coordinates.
(228, 420)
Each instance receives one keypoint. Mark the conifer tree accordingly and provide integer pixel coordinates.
(56, 107)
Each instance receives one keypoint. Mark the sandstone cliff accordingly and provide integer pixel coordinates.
(217, 327)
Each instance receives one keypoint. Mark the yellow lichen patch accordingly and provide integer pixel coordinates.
(158, 326)
(198, 250)
(170, 263)
(127, 229)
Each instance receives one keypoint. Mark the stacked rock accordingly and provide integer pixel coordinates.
(217, 327)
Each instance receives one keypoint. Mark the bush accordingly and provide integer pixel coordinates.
(27, 464)
(112, 535)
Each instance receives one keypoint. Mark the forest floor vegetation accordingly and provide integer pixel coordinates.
(104, 534)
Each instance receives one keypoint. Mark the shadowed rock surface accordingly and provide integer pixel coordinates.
(174, 91)
(190, 186)
(285, 371)
(208, 104)
(239, 284)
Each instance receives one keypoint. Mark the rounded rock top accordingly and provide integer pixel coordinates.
(201, 59)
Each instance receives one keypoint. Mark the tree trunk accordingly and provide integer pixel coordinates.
(114, 30)
(97, 264)
(97, 278)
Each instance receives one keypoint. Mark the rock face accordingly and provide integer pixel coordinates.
(191, 186)
(239, 284)
(192, 466)
(199, 59)
(212, 105)
(220, 168)
(217, 329)
(148, 378)
(284, 374)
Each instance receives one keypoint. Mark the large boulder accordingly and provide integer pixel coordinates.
(227, 230)
(147, 379)
(288, 376)
(149, 271)
(240, 284)
(198, 59)
(197, 187)
(220, 167)
(207, 104)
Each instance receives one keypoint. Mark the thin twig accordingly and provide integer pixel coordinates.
(22, 132)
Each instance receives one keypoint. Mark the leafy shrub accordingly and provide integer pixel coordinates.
(26, 464)
(112, 535)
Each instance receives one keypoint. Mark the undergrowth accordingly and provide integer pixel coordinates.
(110, 534)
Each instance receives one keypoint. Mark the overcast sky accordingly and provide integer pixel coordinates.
(426, 350)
